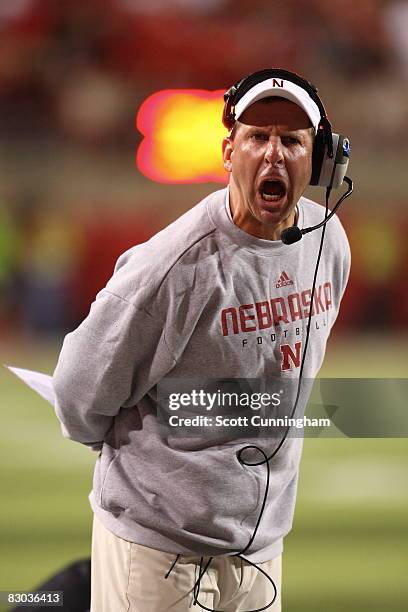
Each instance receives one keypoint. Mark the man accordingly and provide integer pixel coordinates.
(217, 294)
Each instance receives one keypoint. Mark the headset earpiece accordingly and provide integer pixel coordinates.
(329, 171)
(228, 117)
(319, 153)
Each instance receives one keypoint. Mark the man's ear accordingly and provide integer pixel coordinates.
(227, 152)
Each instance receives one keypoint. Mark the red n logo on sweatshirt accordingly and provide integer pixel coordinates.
(289, 356)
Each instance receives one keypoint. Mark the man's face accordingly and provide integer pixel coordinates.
(269, 160)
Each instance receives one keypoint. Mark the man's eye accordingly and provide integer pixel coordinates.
(290, 140)
(259, 136)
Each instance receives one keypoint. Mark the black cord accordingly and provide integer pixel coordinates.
(266, 459)
(172, 566)
(341, 200)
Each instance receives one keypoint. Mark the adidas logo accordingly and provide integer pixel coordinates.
(283, 281)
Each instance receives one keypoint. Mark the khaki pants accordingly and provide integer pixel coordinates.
(128, 577)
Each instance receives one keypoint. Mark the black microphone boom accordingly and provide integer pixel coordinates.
(293, 234)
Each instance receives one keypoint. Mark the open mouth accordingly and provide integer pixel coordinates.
(272, 190)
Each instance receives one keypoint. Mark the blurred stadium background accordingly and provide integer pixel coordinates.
(72, 77)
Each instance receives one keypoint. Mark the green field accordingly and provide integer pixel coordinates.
(349, 546)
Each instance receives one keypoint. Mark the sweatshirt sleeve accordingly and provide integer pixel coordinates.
(110, 361)
(346, 263)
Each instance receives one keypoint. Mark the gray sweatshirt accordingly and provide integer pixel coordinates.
(200, 298)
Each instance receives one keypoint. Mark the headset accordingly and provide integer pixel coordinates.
(330, 159)
(331, 151)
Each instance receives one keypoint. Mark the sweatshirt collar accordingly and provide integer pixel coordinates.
(220, 213)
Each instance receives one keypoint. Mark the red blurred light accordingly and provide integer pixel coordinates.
(182, 131)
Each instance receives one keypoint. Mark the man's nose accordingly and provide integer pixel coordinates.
(274, 151)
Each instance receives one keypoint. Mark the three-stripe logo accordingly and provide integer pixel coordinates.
(283, 281)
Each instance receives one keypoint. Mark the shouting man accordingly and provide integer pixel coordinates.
(226, 291)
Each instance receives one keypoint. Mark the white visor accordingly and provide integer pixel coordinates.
(282, 89)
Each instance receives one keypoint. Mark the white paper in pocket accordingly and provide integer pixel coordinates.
(41, 383)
